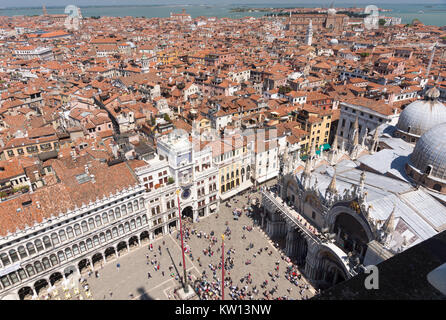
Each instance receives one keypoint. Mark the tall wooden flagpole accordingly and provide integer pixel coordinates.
(222, 267)
(186, 289)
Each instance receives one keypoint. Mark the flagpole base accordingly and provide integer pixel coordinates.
(186, 295)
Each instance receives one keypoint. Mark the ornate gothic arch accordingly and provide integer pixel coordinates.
(335, 211)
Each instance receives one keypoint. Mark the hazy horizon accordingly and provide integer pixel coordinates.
(271, 3)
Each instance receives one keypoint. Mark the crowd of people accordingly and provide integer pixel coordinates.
(208, 287)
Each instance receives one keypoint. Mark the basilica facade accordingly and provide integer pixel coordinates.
(360, 203)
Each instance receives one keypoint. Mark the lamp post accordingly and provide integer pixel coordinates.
(222, 267)
(186, 289)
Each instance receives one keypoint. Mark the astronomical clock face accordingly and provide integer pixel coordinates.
(186, 193)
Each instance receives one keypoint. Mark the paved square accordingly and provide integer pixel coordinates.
(131, 281)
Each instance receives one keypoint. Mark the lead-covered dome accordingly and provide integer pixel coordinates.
(429, 154)
(422, 115)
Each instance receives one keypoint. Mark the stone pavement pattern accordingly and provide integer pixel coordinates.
(130, 280)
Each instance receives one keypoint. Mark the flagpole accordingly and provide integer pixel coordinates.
(186, 289)
(222, 267)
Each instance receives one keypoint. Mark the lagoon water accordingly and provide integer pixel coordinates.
(428, 14)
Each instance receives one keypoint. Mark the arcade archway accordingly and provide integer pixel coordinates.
(41, 285)
(97, 258)
(83, 265)
(144, 237)
(350, 234)
(133, 242)
(188, 214)
(110, 253)
(331, 271)
(25, 293)
(121, 247)
(56, 278)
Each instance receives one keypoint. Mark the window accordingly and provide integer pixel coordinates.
(5, 281)
(5, 259)
(111, 216)
(124, 209)
(61, 256)
(105, 217)
(118, 213)
(135, 204)
(22, 252)
(89, 243)
(39, 245)
(130, 208)
(47, 242)
(84, 226)
(102, 237)
(53, 259)
(115, 232)
(75, 250)
(108, 234)
(96, 240)
(127, 227)
(14, 278)
(62, 236)
(141, 203)
(22, 274)
(144, 219)
(132, 224)
(82, 247)
(77, 229)
(91, 224)
(121, 229)
(68, 253)
(31, 249)
(54, 238)
(30, 269)
(46, 263)
(138, 222)
(31, 149)
(13, 255)
(70, 232)
(38, 266)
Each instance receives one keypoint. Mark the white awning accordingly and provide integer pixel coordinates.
(213, 206)
(245, 185)
(10, 269)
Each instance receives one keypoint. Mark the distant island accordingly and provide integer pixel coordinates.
(245, 9)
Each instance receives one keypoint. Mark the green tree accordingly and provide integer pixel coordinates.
(166, 117)
(170, 180)
(382, 22)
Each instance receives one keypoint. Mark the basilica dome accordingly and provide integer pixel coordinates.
(429, 154)
(422, 115)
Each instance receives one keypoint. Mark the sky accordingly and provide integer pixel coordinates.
(39, 3)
